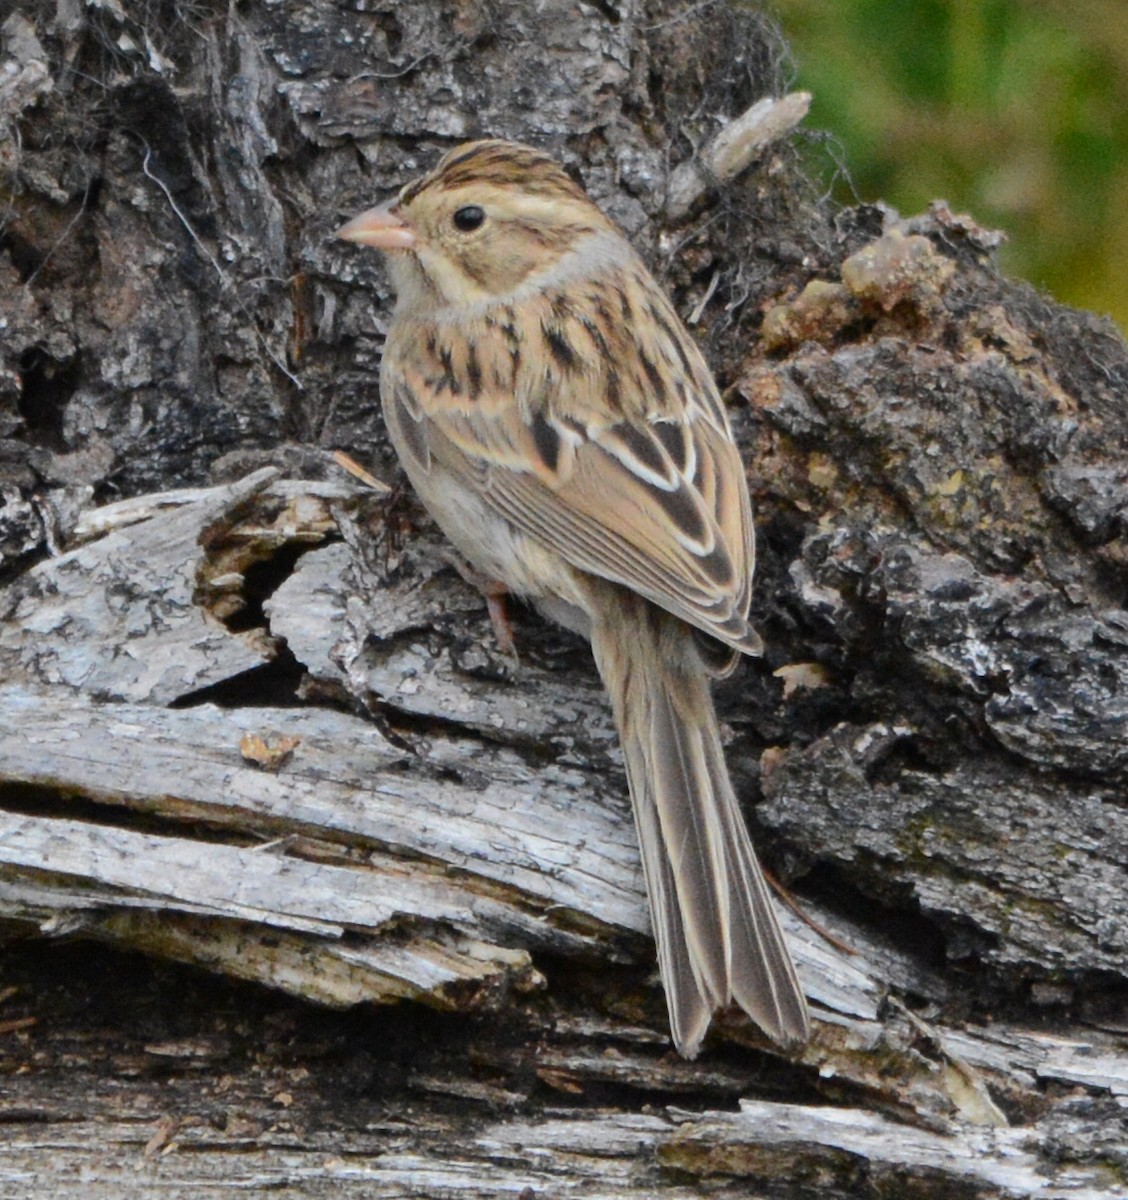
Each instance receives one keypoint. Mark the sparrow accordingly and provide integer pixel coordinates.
(562, 427)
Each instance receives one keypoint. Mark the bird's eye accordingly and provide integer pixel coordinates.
(469, 217)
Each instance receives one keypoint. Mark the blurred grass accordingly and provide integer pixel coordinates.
(1013, 110)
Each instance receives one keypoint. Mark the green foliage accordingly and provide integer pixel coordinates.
(1013, 110)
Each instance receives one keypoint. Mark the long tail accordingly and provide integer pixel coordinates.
(717, 934)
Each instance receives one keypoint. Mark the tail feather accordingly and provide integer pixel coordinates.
(674, 774)
(716, 930)
(690, 1007)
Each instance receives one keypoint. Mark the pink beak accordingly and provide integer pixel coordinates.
(381, 227)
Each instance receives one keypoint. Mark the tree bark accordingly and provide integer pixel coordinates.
(303, 884)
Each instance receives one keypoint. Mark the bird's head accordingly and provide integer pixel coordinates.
(490, 218)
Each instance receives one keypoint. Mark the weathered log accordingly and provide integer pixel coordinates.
(252, 723)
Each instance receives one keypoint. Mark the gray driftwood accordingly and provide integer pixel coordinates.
(303, 886)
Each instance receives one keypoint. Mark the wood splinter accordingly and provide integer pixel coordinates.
(734, 148)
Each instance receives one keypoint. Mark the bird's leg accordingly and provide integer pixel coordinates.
(785, 895)
(493, 591)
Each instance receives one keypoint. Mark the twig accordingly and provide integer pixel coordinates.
(59, 240)
(734, 148)
(348, 463)
(699, 307)
(684, 15)
(183, 219)
(224, 278)
(395, 74)
(807, 920)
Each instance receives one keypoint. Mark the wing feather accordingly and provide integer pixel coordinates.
(648, 492)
